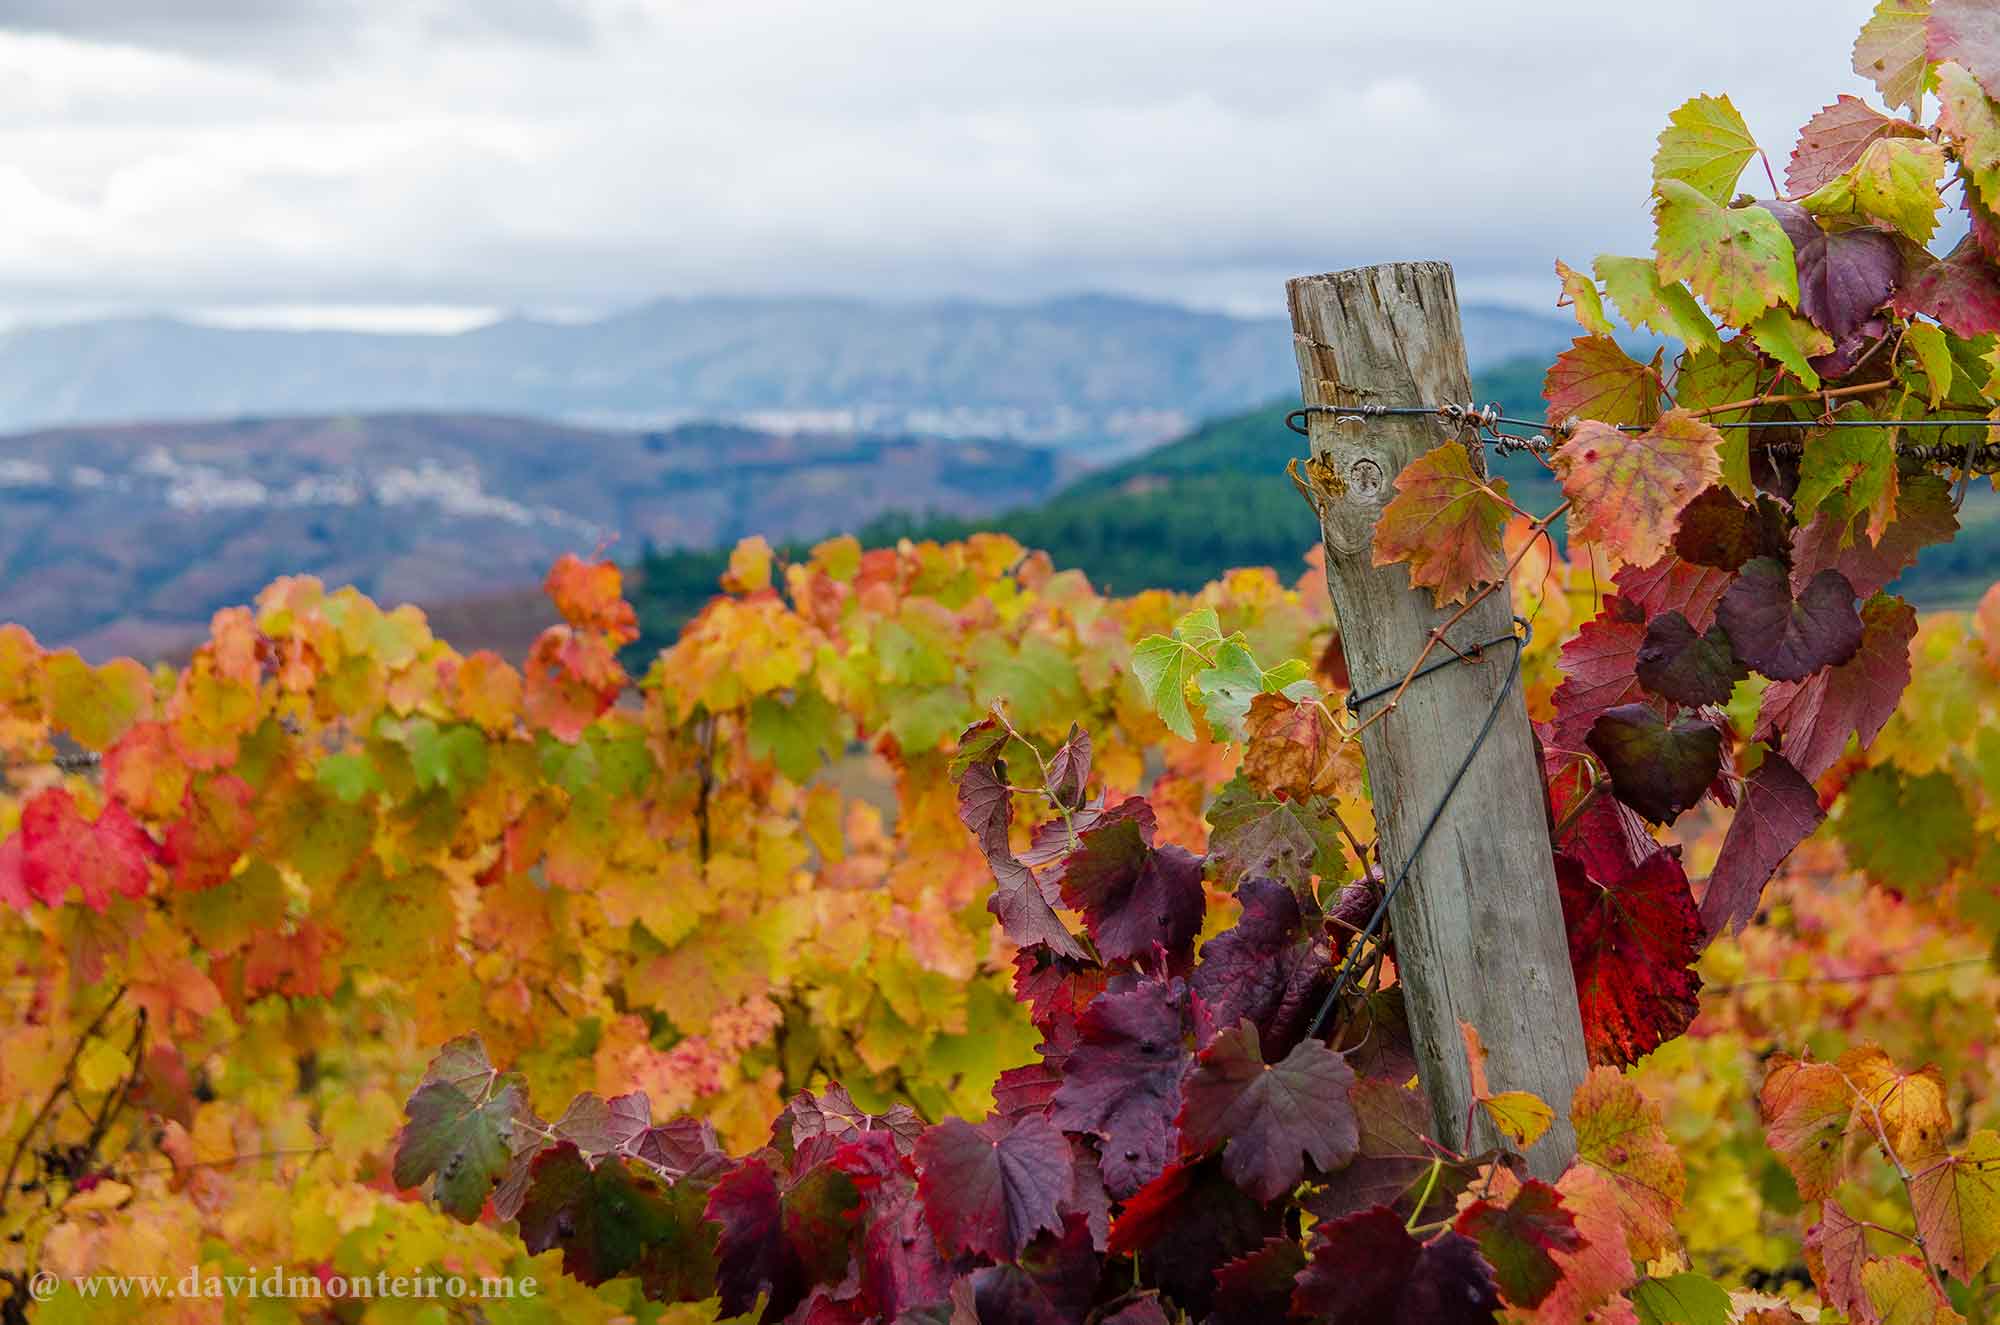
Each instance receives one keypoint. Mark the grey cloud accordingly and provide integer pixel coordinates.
(492, 152)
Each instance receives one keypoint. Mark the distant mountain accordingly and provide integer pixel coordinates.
(126, 538)
(1104, 374)
(1181, 514)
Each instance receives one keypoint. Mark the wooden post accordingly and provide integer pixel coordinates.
(1478, 924)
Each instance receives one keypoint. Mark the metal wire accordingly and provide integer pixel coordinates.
(1352, 961)
(1486, 424)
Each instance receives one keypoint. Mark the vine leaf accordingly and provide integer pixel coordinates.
(1265, 970)
(1185, 1222)
(1924, 517)
(1812, 719)
(1622, 1136)
(986, 808)
(1367, 1270)
(1895, 183)
(1268, 1117)
(1133, 894)
(1851, 472)
(1598, 665)
(1052, 1284)
(1595, 379)
(1122, 1082)
(463, 1141)
(1658, 768)
(1257, 1288)
(1970, 117)
(610, 1221)
(989, 1188)
(1164, 666)
(1909, 1107)
(1444, 523)
(1836, 1248)
(1251, 835)
(1628, 492)
(1295, 752)
(1834, 139)
(105, 857)
(1580, 294)
(1844, 276)
(778, 1242)
(1958, 1205)
(1967, 32)
(1900, 1291)
(1961, 290)
(1682, 1299)
(1788, 639)
(1778, 811)
(1736, 258)
(1520, 1114)
(1794, 342)
(1676, 663)
(1720, 531)
(1890, 50)
(1706, 144)
(1634, 284)
(1633, 940)
(1520, 1239)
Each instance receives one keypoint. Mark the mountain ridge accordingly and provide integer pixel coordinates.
(1103, 374)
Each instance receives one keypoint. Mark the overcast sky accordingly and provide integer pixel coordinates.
(414, 162)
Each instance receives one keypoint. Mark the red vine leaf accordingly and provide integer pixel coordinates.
(1266, 968)
(1836, 1248)
(1632, 942)
(1924, 516)
(778, 1243)
(986, 808)
(109, 856)
(1445, 523)
(1719, 531)
(1788, 639)
(1366, 1270)
(1187, 1221)
(1658, 768)
(1779, 810)
(1833, 140)
(1123, 1081)
(1257, 1288)
(1134, 895)
(989, 1188)
(1628, 492)
(610, 1221)
(1268, 1117)
(1966, 32)
(1598, 666)
(1595, 379)
(1521, 1238)
(1676, 663)
(1813, 718)
(1962, 291)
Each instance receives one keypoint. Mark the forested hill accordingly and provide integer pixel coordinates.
(1172, 518)
(1179, 515)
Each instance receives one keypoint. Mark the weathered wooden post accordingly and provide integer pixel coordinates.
(1478, 924)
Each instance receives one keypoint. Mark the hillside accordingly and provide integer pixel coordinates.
(1181, 514)
(1110, 375)
(126, 539)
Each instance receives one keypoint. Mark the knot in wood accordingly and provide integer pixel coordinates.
(1365, 478)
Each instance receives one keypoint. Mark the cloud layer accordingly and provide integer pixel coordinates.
(187, 154)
